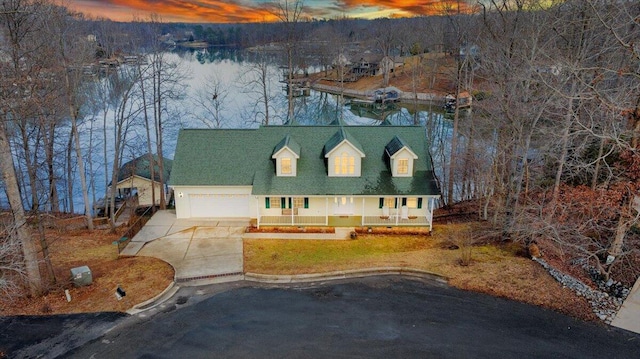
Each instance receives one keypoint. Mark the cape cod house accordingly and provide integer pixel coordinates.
(306, 175)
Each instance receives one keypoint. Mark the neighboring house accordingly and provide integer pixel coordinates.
(134, 179)
(367, 64)
(389, 64)
(306, 175)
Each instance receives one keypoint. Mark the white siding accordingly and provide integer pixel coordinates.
(347, 148)
(402, 154)
(286, 153)
(218, 201)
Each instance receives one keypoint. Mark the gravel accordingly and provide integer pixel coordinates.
(604, 304)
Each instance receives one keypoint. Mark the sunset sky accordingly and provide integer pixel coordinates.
(256, 10)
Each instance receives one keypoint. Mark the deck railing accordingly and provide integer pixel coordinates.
(293, 220)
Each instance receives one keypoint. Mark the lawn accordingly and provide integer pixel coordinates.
(497, 269)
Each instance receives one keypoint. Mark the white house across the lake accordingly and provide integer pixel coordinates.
(306, 175)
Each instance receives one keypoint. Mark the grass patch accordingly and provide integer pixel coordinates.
(495, 269)
(307, 256)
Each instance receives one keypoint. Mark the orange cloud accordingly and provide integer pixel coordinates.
(238, 11)
(176, 10)
(410, 7)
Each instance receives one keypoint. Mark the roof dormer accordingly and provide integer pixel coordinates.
(401, 157)
(286, 153)
(344, 155)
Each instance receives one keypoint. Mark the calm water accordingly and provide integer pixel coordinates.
(231, 76)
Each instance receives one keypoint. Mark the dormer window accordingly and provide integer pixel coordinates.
(285, 165)
(403, 166)
(344, 155)
(401, 158)
(345, 164)
(286, 153)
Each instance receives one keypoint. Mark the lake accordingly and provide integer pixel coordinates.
(228, 76)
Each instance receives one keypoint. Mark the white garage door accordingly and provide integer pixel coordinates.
(219, 205)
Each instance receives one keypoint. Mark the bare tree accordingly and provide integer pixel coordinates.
(210, 102)
(12, 271)
(290, 14)
(256, 81)
(166, 81)
(60, 25)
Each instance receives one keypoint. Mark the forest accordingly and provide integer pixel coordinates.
(549, 154)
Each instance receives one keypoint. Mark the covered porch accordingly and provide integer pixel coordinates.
(345, 211)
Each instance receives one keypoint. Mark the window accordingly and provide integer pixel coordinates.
(344, 164)
(403, 166)
(413, 202)
(298, 202)
(285, 166)
(390, 202)
(274, 202)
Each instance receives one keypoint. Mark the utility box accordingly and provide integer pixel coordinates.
(81, 276)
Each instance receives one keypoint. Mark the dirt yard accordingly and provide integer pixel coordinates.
(141, 278)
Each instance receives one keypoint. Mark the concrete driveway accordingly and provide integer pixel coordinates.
(201, 252)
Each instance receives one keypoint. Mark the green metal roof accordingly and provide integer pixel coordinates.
(140, 167)
(223, 157)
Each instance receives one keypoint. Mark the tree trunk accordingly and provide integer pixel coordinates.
(29, 250)
(83, 179)
(453, 156)
(152, 166)
(563, 152)
(48, 139)
(290, 109)
(70, 173)
(159, 130)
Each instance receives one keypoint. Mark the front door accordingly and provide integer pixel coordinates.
(343, 206)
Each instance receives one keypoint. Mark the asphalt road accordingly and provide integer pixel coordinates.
(67, 331)
(381, 317)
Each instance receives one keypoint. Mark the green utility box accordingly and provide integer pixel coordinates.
(81, 276)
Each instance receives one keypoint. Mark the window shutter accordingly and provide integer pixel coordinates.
(404, 201)
(419, 202)
(267, 202)
(306, 202)
(395, 203)
(290, 206)
(381, 203)
(283, 202)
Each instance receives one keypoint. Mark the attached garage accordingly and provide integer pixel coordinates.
(219, 205)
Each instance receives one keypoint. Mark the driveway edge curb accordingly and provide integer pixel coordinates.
(343, 274)
(167, 293)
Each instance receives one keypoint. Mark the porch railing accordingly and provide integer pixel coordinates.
(322, 221)
(293, 220)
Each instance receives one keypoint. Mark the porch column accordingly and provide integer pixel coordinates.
(362, 219)
(326, 211)
(398, 206)
(291, 209)
(432, 202)
(258, 211)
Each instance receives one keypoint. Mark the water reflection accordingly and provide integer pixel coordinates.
(243, 102)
